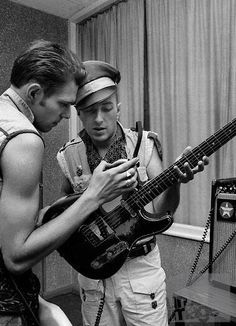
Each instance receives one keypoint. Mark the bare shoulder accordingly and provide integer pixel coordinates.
(25, 144)
(21, 159)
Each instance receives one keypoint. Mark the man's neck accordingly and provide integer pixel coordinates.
(20, 92)
(102, 147)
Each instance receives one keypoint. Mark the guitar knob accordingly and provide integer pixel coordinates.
(109, 255)
(96, 264)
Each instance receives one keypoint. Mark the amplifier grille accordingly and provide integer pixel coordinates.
(223, 226)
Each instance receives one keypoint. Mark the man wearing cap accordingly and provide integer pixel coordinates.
(136, 293)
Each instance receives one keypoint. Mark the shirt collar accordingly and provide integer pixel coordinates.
(21, 105)
(115, 151)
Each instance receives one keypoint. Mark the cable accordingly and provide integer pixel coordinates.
(218, 253)
(196, 260)
(101, 306)
(194, 266)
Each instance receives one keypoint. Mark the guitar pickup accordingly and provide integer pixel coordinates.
(109, 255)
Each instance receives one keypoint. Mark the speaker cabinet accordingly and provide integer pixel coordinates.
(222, 272)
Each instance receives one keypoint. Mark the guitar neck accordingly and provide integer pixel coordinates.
(169, 177)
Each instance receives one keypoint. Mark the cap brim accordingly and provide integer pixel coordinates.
(96, 97)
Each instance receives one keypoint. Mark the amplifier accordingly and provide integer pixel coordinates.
(222, 272)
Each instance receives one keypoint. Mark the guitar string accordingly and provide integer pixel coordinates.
(192, 158)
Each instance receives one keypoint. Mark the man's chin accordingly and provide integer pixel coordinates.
(44, 129)
(100, 138)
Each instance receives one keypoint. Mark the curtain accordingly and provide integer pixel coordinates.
(192, 80)
(117, 37)
(185, 52)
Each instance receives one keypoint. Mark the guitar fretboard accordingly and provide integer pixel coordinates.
(169, 177)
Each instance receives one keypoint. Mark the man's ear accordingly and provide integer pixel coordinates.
(34, 92)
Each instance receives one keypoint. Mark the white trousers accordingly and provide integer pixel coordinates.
(134, 296)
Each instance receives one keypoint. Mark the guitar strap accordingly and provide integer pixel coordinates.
(139, 129)
(142, 176)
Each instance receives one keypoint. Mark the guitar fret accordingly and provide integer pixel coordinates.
(189, 160)
(142, 201)
(216, 144)
(194, 158)
(148, 195)
(200, 152)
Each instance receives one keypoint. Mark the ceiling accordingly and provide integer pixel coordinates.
(62, 8)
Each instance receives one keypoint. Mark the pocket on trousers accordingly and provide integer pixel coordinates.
(145, 273)
(149, 284)
(90, 289)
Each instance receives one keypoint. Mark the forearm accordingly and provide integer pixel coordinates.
(168, 201)
(26, 248)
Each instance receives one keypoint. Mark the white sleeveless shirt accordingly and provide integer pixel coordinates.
(15, 118)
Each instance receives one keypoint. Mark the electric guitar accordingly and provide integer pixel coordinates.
(101, 245)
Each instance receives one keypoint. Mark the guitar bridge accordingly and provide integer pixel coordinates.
(110, 254)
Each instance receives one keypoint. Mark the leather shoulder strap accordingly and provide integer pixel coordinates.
(139, 130)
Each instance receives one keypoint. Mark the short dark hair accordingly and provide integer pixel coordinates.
(49, 64)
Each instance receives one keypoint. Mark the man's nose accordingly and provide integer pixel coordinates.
(99, 116)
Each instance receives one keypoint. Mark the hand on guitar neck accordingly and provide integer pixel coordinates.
(187, 172)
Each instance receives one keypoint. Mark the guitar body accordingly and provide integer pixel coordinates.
(101, 245)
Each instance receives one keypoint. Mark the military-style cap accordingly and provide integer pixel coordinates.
(100, 83)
